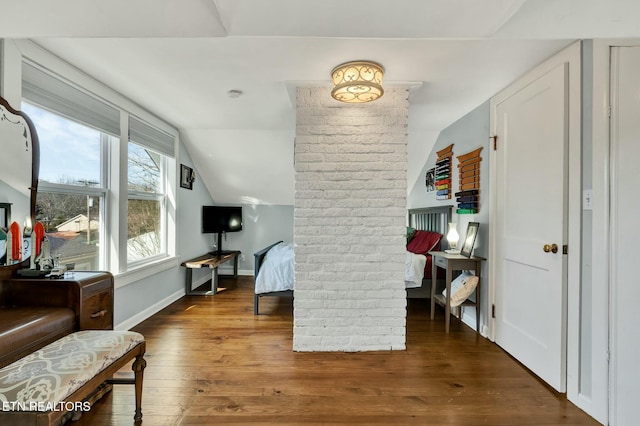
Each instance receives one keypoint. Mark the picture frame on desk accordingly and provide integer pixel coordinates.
(469, 239)
(187, 177)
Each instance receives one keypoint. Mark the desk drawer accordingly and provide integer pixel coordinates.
(97, 311)
(440, 262)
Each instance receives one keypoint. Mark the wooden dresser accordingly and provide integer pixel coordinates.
(88, 294)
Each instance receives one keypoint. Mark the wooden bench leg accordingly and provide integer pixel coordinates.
(138, 368)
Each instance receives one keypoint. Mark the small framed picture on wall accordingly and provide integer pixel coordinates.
(187, 176)
(430, 180)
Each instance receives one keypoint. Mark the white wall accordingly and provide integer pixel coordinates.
(421, 142)
(349, 222)
(263, 225)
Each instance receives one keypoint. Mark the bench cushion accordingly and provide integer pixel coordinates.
(25, 329)
(54, 372)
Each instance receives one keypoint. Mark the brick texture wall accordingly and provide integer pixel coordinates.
(349, 222)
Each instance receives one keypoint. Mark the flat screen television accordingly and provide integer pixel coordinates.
(221, 219)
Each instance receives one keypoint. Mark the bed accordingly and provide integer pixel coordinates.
(273, 274)
(431, 224)
(273, 265)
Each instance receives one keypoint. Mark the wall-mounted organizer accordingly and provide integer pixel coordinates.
(443, 173)
(468, 198)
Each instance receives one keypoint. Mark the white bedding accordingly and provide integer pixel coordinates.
(414, 269)
(276, 272)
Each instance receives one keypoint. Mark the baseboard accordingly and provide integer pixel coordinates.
(141, 316)
(469, 319)
(229, 271)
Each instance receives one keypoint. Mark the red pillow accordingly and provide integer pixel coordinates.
(424, 241)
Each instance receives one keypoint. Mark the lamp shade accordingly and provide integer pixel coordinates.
(357, 82)
(452, 236)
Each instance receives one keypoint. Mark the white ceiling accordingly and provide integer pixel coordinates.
(179, 59)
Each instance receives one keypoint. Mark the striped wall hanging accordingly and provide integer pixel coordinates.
(443, 173)
(468, 198)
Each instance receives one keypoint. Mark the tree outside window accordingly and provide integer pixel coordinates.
(145, 207)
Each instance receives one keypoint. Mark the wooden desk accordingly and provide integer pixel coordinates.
(454, 262)
(212, 261)
(89, 294)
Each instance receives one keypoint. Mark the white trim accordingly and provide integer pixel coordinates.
(571, 56)
(123, 279)
(597, 403)
(151, 310)
(10, 72)
(574, 215)
(612, 181)
(614, 197)
(241, 272)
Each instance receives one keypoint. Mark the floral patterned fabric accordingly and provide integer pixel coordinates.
(49, 375)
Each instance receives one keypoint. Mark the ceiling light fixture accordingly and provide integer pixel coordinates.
(357, 82)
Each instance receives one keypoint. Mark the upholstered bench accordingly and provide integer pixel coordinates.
(57, 382)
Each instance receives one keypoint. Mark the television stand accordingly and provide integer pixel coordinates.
(219, 246)
(221, 252)
(211, 260)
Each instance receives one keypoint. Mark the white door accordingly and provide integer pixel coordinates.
(625, 233)
(531, 189)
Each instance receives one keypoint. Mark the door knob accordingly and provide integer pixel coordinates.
(553, 248)
(546, 248)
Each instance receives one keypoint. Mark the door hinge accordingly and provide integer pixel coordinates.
(609, 111)
(493, 311)
(495, 142)
(565, 249)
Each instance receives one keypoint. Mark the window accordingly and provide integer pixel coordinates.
(145, 225)
(84, 172)
(72, 225)
(71, 188)
(70, 153)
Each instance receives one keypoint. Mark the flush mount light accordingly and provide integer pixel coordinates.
(357, 82)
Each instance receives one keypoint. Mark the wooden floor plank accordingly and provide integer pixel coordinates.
(211, 361)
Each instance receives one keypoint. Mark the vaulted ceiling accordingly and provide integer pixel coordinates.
(179, 59)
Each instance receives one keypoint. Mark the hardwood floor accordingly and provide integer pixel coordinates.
(211, 361)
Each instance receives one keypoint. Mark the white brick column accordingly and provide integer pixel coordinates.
(349, 222)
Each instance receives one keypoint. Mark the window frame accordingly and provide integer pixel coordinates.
(113, 232)
(161, 197)
(99, 191)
